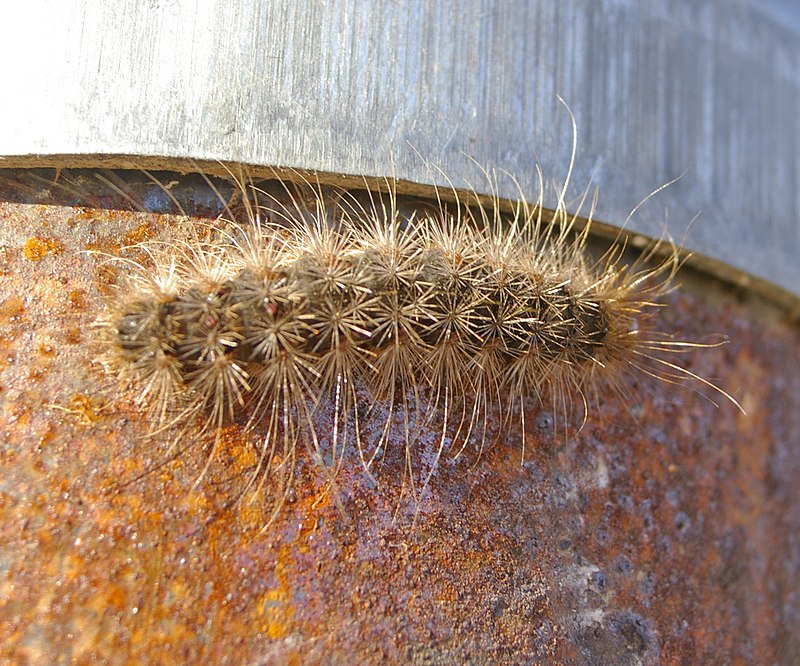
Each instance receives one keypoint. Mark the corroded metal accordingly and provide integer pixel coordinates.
(665, 531)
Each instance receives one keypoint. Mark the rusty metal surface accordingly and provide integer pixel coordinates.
(666, 531)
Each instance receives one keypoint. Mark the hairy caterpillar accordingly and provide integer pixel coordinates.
(302, 298)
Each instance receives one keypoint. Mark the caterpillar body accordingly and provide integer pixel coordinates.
(444, 313)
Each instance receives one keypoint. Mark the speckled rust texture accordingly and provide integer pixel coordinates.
(666, 531)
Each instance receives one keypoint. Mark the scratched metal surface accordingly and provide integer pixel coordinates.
(371, 87)
(666, 531)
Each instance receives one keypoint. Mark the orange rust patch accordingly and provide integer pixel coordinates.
(7, 355)
(138, 235)
(12, 310)
(37, 248)
(274, 611)
(46, 349)
(72, 335)
(37, 374)
(88, 409)
(77, 299)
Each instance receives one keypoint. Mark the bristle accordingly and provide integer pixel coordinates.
(445, 315)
